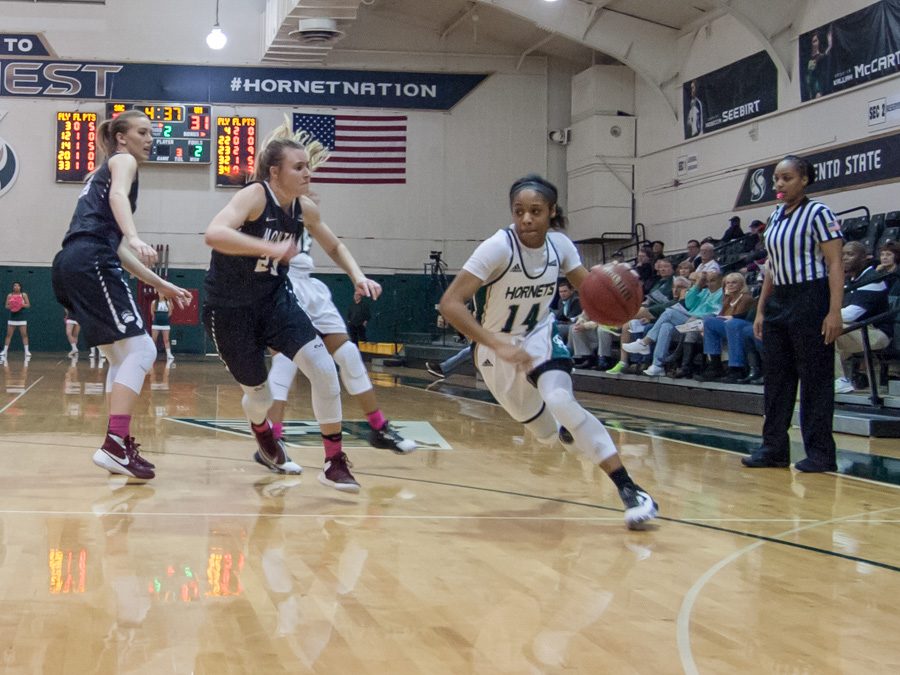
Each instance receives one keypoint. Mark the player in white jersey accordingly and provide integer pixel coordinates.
(315, 299)
(523, 361)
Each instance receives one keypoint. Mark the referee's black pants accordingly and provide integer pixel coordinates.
(795, 350)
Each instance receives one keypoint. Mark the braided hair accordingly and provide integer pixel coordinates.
(544, 188)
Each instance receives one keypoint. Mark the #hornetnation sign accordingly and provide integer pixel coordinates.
(235, 85)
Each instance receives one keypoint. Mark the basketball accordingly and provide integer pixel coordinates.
(16, 302)
(611, 294)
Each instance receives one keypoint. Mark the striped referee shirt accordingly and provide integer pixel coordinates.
(792, 241)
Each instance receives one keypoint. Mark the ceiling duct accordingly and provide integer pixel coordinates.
(304, 31)
(316, 32)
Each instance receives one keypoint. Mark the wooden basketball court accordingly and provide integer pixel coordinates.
(482, 552)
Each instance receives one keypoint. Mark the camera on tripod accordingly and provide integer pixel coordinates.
(436, 256)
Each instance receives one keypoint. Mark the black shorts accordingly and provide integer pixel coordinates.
(89, 282)
(241, 334)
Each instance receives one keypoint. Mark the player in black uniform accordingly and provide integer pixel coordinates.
(88, 281)
(250, 304)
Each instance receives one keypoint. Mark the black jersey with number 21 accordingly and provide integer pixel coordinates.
(238, 281)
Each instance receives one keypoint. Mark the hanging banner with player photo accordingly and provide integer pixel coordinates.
(850, 51)
(738, 92)
(873, 161)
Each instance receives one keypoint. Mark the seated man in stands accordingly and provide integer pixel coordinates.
(861, 301)
(726, 326)
(693, 253)
(702, 299)
(567, 310)
(591, 347)
(734, 230)
(708, 259)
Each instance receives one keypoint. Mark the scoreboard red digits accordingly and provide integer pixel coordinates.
(235, 151)
(76, 146)
(181, 133)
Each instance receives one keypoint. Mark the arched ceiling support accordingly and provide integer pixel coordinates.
(645, 47)
(763, 22)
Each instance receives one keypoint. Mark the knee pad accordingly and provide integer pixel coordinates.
(353, 370)
(543, 427)
(565, 408)
(129, 360)
(281, 376)
(256, 402)
(317, 365)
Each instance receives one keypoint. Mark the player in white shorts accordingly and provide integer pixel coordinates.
(524, 362)
(315, 299)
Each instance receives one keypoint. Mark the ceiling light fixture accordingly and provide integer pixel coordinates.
(216, 38)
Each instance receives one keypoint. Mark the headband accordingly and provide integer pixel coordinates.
(545, 190)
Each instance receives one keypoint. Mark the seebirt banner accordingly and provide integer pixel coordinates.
(740, 91)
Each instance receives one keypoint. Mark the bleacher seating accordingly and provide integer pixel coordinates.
(873, 232)
(855, 229)
(889, 234)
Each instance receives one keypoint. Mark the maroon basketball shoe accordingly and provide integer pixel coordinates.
(336, 474)
(120, 455)
(271, 454)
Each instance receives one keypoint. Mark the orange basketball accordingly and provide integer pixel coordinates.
(611, 294)
(16, 302)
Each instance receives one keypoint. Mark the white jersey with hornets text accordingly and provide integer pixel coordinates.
(313, 295)
(520, 281)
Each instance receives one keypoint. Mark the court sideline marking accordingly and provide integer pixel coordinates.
(683, 624)
(11, 403)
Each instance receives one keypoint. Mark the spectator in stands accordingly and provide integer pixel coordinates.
(862, 301)
(708, 259)
(693, 253)
(358, 316)
(567, 310)
(734, 230)
(725, 326)
(644, 268)
(591, 347)
(702, 299)
(888, 257)
(658, 250)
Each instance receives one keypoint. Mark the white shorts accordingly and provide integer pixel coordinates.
(71, 322)
(511, 386)
(17, 323)
(158, 327)
(315, 299)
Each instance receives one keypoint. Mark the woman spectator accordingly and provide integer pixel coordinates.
(644, 268)
(888, 257)
(700, 300)
(798, 318)
(736, 303)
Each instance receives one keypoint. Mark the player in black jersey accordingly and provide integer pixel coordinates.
(250, 304)
(88, 281)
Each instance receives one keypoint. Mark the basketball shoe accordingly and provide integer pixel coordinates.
(120, 455)
(271, 454)
(639, 506)
(435, 369)
(336, 474)
(387, 438)
(565, 436)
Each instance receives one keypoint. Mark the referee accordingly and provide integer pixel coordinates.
(798, 319)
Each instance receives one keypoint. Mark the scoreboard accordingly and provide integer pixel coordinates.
(76, 146)
(181, 133)
(235, 151)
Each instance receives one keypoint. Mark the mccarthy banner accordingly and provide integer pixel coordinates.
(854, 49)
(235, 84)
(735, 93)
(854, 165)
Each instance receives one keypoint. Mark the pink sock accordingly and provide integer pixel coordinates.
(119, 425)
(261, 427)
(332, 444)
(277, 430)
(376, 419)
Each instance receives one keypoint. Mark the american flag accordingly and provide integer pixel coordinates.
(365, 149)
